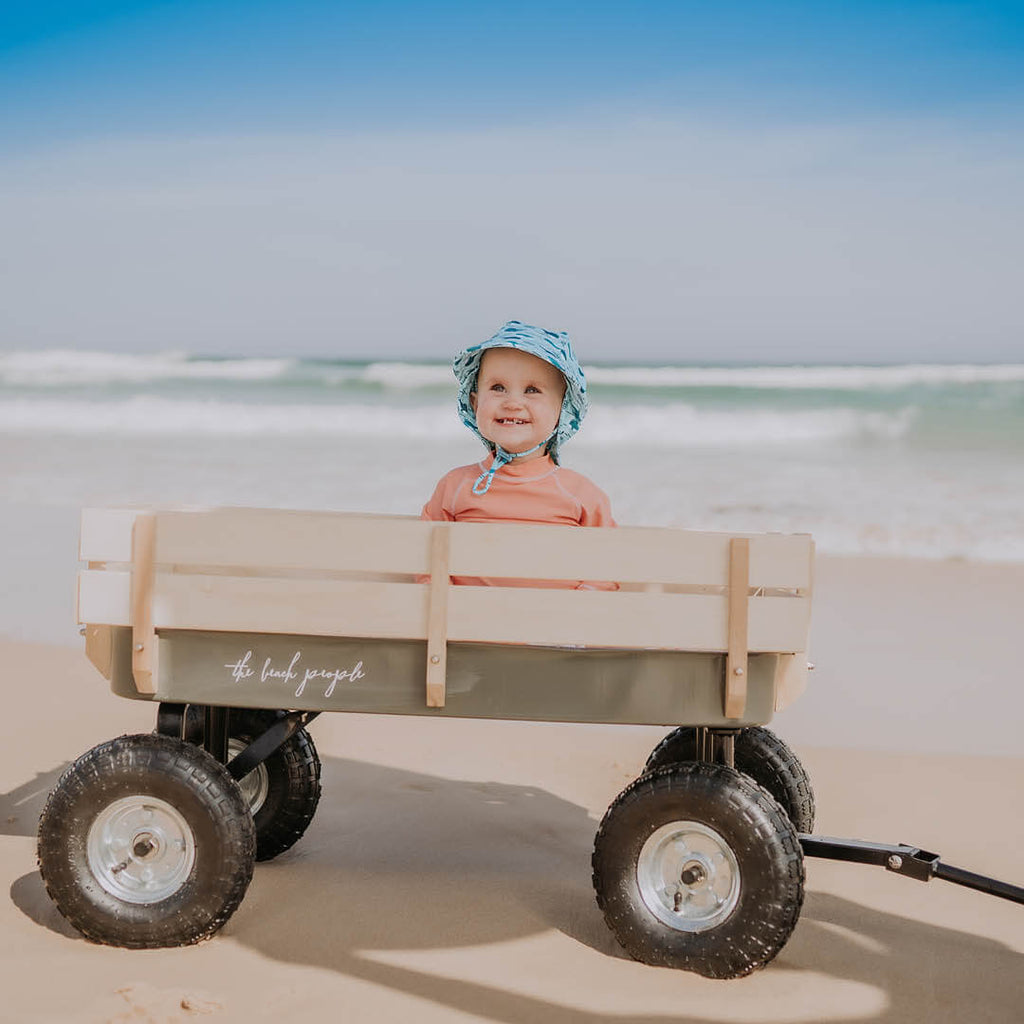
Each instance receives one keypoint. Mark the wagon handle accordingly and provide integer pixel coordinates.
(907, 860)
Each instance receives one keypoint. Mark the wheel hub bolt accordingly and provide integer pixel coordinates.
(143, 846)
(692, 874)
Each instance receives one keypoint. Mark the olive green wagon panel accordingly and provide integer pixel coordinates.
(483, 680)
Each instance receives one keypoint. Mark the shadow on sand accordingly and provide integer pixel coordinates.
(21, 807)
(400, 860)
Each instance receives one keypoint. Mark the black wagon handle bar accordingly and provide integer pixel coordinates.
(906, 860)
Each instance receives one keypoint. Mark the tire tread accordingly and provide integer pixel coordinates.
(102, 773)
(295, 778)
(760, 754)
(722, 795)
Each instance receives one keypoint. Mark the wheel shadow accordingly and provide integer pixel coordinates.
(959, 976)
(420, 862)
(21, 807)
(19, 816)
(29, 895)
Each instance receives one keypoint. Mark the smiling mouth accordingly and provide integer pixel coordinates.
(509, 422)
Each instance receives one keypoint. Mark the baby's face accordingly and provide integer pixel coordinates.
(518, 399)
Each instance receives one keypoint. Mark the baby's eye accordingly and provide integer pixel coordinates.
(497, 387)
(532, 389)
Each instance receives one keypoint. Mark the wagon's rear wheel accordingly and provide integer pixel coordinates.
(283, 791)
(146, 841)
(760, 754)
(696, 867)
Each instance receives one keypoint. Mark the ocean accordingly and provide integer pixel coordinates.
(912, 460)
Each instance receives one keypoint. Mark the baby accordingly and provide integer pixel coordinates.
(524, 394)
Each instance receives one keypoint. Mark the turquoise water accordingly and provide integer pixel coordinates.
(925, 461)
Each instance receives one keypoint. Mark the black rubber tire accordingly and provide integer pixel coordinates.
(756, 831)
(198, 789)
(292, 783)
(761, 755)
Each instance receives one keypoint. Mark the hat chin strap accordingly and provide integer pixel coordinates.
(502, 458)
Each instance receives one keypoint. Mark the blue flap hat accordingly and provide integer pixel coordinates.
(553, 347)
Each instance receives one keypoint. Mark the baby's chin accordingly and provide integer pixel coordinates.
(513, 445)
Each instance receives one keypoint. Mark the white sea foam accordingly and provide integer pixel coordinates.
(60, 368)
(676, 425)
(151, 416)
(843, 378)
(409, 375)
(679, 425)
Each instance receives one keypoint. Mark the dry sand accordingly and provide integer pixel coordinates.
(446, 876)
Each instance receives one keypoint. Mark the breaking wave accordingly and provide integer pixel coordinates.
(671, 425)
(824, 378)
(60, 368)
(63, 368)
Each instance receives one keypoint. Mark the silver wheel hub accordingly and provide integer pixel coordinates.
(140, 849)
(256, 785)
(688, 876)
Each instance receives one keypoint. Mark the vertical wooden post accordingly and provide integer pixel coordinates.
(144, 643)
(437, 616)
(736, 659)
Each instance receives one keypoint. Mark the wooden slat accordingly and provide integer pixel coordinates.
(398, 610)
(694, 622)
(739, 602)
(331, 541)
(281, 539)
(437, 616)
(144, 642)
(304, 607)
(479, 614)
(626, 554)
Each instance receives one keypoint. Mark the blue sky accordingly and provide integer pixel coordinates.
(80, 68)
(749, 181)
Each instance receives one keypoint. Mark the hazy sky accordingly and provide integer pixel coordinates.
(761, 181)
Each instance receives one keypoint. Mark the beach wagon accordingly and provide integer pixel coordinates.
(242, 625)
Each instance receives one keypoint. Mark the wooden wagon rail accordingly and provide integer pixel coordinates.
(388, 577)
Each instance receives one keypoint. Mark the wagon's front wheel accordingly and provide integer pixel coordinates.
(146, 841)
(697, 867)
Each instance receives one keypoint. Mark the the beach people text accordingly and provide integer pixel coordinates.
(243, 669)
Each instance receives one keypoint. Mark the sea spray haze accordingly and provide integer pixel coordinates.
(919, 460)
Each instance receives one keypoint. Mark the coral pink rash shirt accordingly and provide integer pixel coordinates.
(538, 491)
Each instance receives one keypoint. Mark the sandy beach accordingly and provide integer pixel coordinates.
(447, 873)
